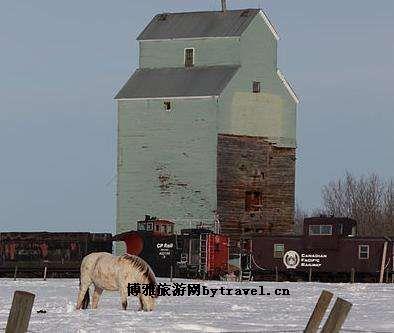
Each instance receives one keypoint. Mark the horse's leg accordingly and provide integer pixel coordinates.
(123, 297)
(83, 289)
(96, 296)
(141, 302)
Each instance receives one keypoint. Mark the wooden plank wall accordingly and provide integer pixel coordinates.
(247, 163)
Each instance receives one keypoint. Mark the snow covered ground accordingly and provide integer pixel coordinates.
(373, 309)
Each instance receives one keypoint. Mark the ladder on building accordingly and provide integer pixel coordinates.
(202, 267)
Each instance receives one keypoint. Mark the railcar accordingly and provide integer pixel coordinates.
(26, 254)
(329, 250)
(193, 253)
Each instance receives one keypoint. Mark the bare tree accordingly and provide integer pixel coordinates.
(368, 200)
(299, 216)
(388, 213)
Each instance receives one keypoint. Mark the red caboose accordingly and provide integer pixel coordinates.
(204, 253)
(329, 250)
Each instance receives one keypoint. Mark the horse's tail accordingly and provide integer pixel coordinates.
(86, 297)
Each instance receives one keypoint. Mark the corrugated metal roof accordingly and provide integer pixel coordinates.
(177, 82)
(198, 24)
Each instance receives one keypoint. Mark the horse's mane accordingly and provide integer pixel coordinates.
(142, 266)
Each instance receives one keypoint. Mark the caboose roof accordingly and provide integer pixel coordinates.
(177, 82)
(230, 23)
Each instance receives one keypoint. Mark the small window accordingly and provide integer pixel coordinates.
(157, 227)
(167, 106)
(279, 250)
(314, 230)
(163, 229)
(162, 17)
(326, 229)
(256, 87)
(189, 57)
(253, 201)
(354, 230)
(363, 252)
(141, 226)
(319, 230)
(149, 226)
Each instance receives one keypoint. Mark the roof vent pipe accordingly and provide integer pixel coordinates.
(224, 6)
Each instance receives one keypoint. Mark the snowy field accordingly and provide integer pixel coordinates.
(373, 309)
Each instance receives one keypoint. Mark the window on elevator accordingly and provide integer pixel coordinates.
(253, 201)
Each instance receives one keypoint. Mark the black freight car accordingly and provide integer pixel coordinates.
(28, 253)
(160, 250)
(329, 250)
(193, 253)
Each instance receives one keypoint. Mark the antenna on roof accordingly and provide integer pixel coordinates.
(224, 5)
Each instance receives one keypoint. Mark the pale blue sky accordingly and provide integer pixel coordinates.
(61, 63)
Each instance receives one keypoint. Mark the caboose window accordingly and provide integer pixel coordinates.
(326, 229)
(319, 230)
(149, 226)
(279, 250)
(363, 252)
(141, 226)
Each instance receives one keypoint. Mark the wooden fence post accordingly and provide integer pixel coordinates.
(19, 317)
(337, 316)
(318, 312)
(383, 263)
(352, 275)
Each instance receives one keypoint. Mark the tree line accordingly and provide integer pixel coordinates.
(369, 199)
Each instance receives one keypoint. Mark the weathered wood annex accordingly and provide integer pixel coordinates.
(207, 126)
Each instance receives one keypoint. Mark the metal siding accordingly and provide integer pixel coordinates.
(167, 161)
(208, 52)
(271, 113)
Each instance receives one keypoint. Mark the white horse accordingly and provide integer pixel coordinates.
(114, 273)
